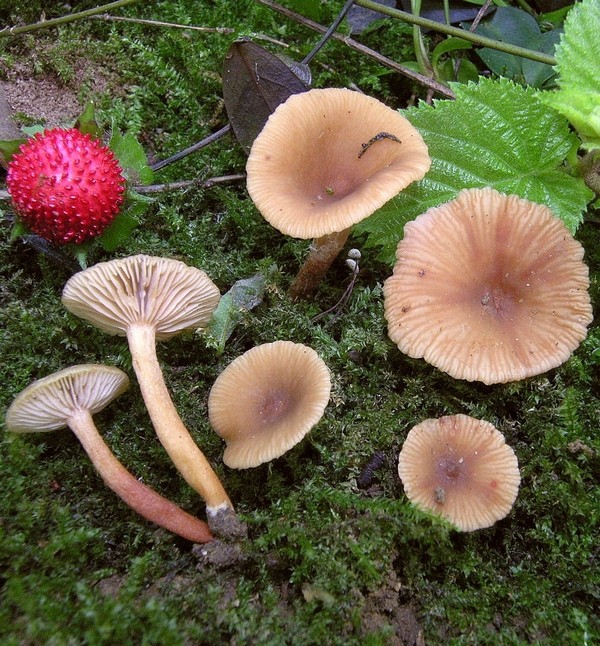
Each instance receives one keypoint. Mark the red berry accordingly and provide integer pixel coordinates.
(65, 186)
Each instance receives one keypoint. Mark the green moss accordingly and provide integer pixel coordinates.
(325, 561)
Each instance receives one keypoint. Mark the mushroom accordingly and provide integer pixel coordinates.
(488, 287)
(325, 160)
(69, 398)
(267, 400)
(146, 299)
(460, 468)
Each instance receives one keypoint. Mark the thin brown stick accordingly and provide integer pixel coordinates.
(187, 183)
(356, 46)
(174, 25)
(63, 20)
(160, 23)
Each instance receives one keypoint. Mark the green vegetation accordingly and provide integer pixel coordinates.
(325, 562)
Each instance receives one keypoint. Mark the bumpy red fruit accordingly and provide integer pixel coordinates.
(65, 186)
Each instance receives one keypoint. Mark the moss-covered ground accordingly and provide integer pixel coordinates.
(326, 562)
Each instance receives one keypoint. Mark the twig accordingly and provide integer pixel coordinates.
(192, 149)
(172, 186)
(63, 20)
(356, 46)
(481, 41)
(160, 23)
(480, 15)
(174, 25)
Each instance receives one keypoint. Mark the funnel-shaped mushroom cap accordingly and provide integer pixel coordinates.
(488, 287)
(328, 158)
(267, 400)
(48, 403)
(142, 290)
(460, 468)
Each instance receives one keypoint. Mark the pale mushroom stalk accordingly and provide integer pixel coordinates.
(323, 252)
(70, 397)
(142, 499)
(170, 430)
(150, 299)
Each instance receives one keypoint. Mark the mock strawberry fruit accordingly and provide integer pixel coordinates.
(65, 186)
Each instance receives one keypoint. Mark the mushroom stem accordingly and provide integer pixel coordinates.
(171, 431)
(323, 252)
(143, 500)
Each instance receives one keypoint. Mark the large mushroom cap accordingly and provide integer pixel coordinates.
(48, 403)
(488, 287)
(267, 400)
(460, 468)
(309, 172)
(142, 289)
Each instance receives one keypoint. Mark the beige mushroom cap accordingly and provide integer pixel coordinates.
(142, 289)
(267, 400)
(304, 172)
(460, 468)
(48, 403)
(488, 287)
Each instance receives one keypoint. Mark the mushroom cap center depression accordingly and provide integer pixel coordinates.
(272, 406)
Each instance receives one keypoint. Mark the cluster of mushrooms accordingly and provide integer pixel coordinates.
(487, 287)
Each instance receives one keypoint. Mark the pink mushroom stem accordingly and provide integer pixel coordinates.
(142, 499)
(323, 252)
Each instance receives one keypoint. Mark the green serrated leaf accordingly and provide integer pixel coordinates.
(86, 122)
(132, 157)
(9, 147)
(244, 295)
(577, 58)
(119, 230)
(30, 131)
(495, 133)
(18, 229)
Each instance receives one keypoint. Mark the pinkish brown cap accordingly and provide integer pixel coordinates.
(488, 287)
(267, 400)
(461, 469)
(316, 169)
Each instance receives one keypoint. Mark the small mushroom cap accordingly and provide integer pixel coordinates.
(267, 400)
(142, 289)
(48, 403)
(488, 287)
(460, 468)
(304, 172)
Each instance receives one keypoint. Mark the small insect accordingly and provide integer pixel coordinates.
(367, 474)
(378, 137)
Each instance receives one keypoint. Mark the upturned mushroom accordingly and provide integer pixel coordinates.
(267, 400)
(146, 299)
(488, 287)
(69, 398)
(460, 468)
(325, 160)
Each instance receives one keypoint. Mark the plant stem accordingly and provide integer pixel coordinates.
(63, 20)
(482, 41)
(192, 149)
(142, 499)
(160, 23)
(170, 430)
(359, 47)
